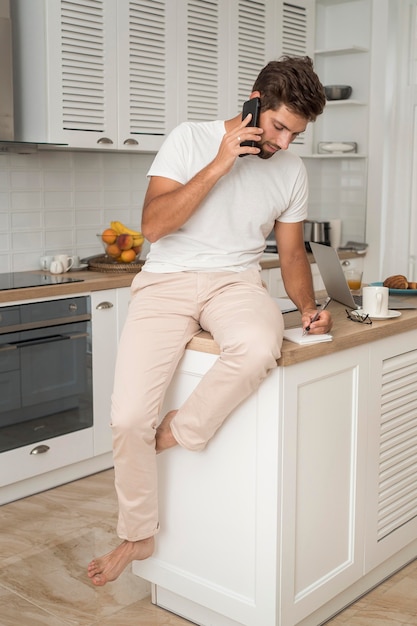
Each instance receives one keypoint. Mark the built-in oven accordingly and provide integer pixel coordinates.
(45, 370)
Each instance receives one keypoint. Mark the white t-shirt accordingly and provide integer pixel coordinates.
(228, 230)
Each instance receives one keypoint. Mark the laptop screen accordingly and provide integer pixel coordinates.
(332, 274)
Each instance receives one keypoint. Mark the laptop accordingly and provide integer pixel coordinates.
(335, 282)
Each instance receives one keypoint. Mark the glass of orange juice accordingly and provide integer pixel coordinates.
(354, 279)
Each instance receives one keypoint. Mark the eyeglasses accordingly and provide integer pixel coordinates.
(355, 316)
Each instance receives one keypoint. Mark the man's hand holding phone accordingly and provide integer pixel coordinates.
(252, 106)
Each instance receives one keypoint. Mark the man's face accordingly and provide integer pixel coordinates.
(280, 128)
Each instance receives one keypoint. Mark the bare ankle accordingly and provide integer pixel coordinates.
(164, 437)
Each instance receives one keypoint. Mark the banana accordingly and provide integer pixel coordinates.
(138, 240)
(122, 229)
(117, 226)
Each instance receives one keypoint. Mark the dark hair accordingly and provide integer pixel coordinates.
(291, 81)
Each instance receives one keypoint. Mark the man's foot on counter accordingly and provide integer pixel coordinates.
(109, 567)
(164, 437)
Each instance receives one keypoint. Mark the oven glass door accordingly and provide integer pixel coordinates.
(45, 379)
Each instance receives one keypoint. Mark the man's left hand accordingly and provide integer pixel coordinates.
(323, 323)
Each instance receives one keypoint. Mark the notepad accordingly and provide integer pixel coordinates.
(296, 336)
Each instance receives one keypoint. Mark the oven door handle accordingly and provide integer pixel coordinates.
(41, 340)
(7, 346)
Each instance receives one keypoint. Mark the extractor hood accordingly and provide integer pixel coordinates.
(8, 141)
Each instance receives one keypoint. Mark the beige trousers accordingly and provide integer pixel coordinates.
(165, 312)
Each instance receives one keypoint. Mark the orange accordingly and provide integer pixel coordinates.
(109, 235)
(127, 256)
(113, 250)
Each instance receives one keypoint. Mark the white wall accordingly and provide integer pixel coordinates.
(338, 191)
(57, 201)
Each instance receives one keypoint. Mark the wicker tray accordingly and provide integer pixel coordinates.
(102, 263)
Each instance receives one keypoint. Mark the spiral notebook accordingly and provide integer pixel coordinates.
(296, 336)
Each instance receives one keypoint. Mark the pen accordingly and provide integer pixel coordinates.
(323, 306)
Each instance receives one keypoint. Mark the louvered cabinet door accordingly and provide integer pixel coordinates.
(147, 68)
(200, 73)
(264, 31)
(392, 485)
(82, 69)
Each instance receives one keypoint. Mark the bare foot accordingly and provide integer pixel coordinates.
(109, 567)
(164, 437)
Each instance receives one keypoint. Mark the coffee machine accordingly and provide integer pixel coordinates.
(316, 231)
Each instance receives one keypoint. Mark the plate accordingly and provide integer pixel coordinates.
(83, 266)
(390, 315)
(398, 292)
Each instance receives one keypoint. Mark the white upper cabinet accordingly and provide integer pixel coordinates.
(146, 70)
(102, 74)
(222, 45)
(94, 76)
(296, 27)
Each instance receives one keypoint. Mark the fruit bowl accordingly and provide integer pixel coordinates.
(120, 247)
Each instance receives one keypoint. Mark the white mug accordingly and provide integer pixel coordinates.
(56, 267)
(375, 301)
(45, 262)
(67, 261)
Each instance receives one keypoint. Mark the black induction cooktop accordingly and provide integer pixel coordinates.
(20, 280)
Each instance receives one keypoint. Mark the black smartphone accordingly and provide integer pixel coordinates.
(251, 106)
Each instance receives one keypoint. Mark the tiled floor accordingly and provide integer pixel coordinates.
(47, 540)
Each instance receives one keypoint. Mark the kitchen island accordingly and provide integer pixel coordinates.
(24, 470)
(306, 497)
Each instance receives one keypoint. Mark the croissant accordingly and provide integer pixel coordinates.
(396, 282)
(412, 285)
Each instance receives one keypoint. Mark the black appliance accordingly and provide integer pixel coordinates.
(20, 280)
(271, 243)
(45, 370)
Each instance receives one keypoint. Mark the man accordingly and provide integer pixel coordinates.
(207, 214)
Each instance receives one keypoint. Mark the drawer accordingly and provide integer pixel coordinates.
(22, 463)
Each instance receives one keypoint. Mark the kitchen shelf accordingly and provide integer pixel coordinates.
(347, 101)
(340, 51)
(347, 155)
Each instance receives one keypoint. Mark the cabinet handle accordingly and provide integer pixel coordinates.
(104, 305)
(104, 140)
(130, 142)
(40, 449)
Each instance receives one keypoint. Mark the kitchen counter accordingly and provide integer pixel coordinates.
(96, 281)
(346, 334)
(91, 281)
(271, 259)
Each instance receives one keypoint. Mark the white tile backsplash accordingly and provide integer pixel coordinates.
(56, 201)
(338, 191)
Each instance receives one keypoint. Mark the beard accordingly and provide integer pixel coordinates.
(265, 154)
